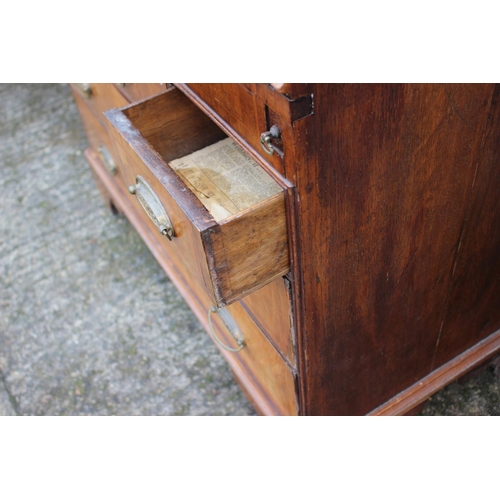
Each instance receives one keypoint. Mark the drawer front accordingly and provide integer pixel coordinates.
(263, 362)
(242, 111)
(100, 97)
(230, 258)
(270, 309)
(138, 91)
(97, 136)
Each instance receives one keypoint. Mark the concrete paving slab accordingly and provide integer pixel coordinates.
(90, 325)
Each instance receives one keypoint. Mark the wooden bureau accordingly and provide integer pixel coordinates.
(369, 279)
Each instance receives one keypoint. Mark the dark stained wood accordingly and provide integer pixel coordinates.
(473, 308)
(419, 392)
(384, 175)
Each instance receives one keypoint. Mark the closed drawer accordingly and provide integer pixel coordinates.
(230, 257)
(100, 97)
(260, 360)
(97, 134)
(270, 308)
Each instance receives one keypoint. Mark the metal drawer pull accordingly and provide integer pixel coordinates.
(107, 159)
(230, 324)
(85, 89)
(267, 137)
(152, 206)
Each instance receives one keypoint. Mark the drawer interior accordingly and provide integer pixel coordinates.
(230, 254)
(220, 174)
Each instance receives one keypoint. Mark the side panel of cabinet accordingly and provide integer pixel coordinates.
(384, 178)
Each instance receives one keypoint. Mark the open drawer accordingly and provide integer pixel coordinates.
(229, 257)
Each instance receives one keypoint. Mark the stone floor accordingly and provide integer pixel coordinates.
(89, 324)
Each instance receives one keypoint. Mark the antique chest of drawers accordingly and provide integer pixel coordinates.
(359, 274)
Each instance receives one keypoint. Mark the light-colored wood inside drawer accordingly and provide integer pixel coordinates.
(229, 258)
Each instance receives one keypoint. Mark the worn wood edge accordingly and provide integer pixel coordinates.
(252, 270)
(214, 271)
(218, 266)
(297, 304)
(183, 196)
(281, 181)
(293, 107)
(289, 90)
(447, 373)
(250, 386)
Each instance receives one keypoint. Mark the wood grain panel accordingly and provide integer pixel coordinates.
(383, 186)
(483, 352)
(473, 308)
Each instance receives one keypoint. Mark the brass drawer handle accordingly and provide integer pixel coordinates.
(267, 137)
(230, 325)
(85, 89)
(152, 206)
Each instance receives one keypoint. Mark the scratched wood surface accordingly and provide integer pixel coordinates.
(473, 311)
(384, 184)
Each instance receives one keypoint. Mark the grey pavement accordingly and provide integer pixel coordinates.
(89, 323)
